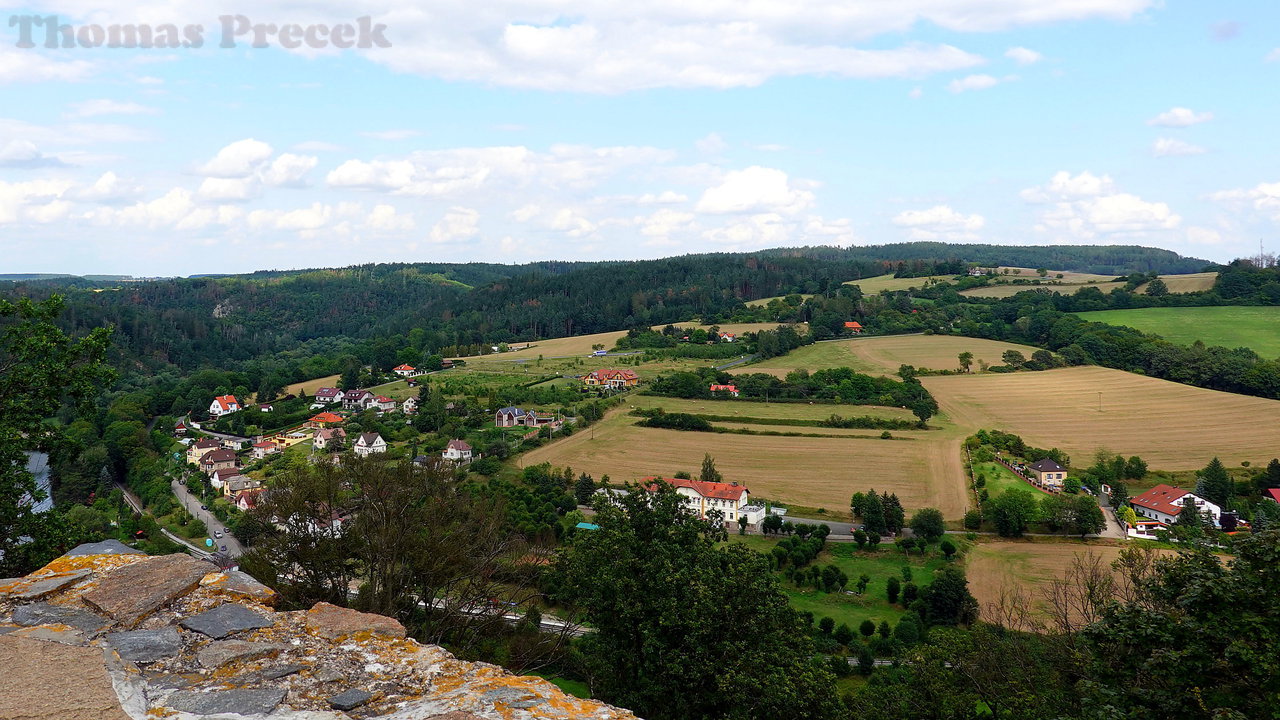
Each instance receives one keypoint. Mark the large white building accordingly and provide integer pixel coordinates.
(701, 496)
(224, 405)
(1163, 503)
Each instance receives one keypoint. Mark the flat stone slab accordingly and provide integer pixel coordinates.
(35, 588)
(246, 701)
(43, 613)
(52, 633)
(49, 681)
(225, 620)
(221, 652)
(333, 622)
(106, 547)
(132, 592)
(146, 645)
(350, 700)
(240, 584)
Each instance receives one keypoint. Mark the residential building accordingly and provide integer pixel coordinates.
(324, 419)
(264, 448)
(727, 337)
(701, 496)
(458, 451)
(1272, 493)
(383, 404)
(248, 498)
(223, 405)
(240, 484)
(853, 326)
(219, 478)
(265, 407)
(1164, 503)
(509, 417)
(405, 371)
(731, 389)
(199, 448)
(219, 459)
(356, 399)
(409, 406)
(611, 378)
(1048, 474)
(328, 438)
(369, 444)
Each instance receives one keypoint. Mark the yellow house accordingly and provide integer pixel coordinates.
(197, 449)
(1048, 473)
(611, 378)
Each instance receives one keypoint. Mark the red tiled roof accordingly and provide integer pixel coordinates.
(226, 401)
(265, 444)
(729, 388)
(382, 399)
(611, 374)
(326, 417)
(405, 367)
(853, 325)
(217, 456)
(705, 488)
(1161, 498)
(458, 445)
(1273, 493)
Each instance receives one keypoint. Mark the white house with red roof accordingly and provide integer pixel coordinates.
(382, 403)
(704, 496)
(1163, 503)
(264, 448)
(458, 451)
(224, 405)
(356, 399)
(727, 337)
(405, 370)
(731, 389)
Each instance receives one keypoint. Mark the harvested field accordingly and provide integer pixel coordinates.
(310, 386)
(874, 285)
(788, 411)
(765, 301)
(581, 345)
(1191, 282)
(885, 354)
(816, 472)
(1172, 426)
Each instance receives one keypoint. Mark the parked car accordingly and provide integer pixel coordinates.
(223, 548)
(217, 534)
(204, 507)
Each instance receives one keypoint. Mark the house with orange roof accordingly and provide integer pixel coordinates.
(223, 405)
(405, 370)
(611, 378)
(730, 499)
(853, 326)
(324, 419)
(1164, 503)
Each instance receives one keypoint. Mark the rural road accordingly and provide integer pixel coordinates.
(192, 504)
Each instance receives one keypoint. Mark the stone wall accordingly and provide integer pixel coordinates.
(107, 633)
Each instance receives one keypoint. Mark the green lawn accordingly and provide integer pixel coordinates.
(576, 688)
(880, 565)
(1000, 478)
(1252, 327)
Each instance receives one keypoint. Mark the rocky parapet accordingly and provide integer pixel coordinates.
(104, 632)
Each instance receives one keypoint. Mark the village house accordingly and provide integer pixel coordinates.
(611, 378)
(325, 396)
(701, 496)
(219, 478)
(223, 405)
(328, 438)
(727, 337)
(265, 407)
(853, 326)
(458, 451)
(369, 444)
(409, 406)
(731, 389)
(1272, 494)
(219, 459)
(509, 417)
(356, 399)
(324, 419)
(180, 428)
(1164, 503)
(264, 448)
(240, 484)
(536, 419)
(383, 404)
(405, 371)
(1048, 474)
(199, 448)
(248, 498)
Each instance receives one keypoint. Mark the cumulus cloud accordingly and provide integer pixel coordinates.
(288, 170)
(1172, 147)
(712, 144)
(939, 222)
(1023, 56)
(240, 159)
(1180, 117)
(754, 190)
(1263, 198)
(386, 217)
(1087, 207)
(31, 201)
(24, 154)
(110, 188)
(30, 66)
(459, 223)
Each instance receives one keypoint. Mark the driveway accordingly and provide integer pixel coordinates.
(192, 504)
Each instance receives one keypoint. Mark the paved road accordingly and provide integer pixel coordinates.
(192, 504)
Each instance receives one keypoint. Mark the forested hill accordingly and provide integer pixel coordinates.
(186, 323)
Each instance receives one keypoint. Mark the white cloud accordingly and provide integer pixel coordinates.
(977, 82)
(175, 209)
(93, 108)
(33, 66)
(24, 154)
(1203, 236)
(1263, 198)
(666, 197)
(240, 159)
(110, 187)
(23, 201)
(755, 190)
(228, 189)
(387, 218)
(303, 219)
(712, 144)
(1087, 207)
(402, 134)
(459, 223)
(939, 222)
(288, 170)
(1172, 147)
(1023, 56)
(1180, 117)
(665, 222)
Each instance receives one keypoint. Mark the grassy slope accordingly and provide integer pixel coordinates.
(1252, 327)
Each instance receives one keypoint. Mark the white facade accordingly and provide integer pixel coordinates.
(366, 445)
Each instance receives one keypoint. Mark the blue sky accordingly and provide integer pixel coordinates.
(538, 129)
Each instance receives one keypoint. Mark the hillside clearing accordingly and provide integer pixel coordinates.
(886, 353)
(1257, 328)
(310, 386)
(874, 285)
(775, 410)
(1190, 282)
(1172, 426)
